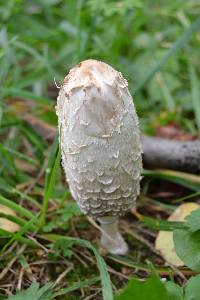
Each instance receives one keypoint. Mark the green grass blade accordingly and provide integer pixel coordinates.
(30, 225)
(9, 161)
(161, 224)
(140, 266)
(5, 234)
(16, 207)
(188, 180)
(105, 278)
(51, 161)
(35, 139)
(26, 197)
(36, 55)
(177, 45)
(20, 155)
(76, 286)
(78, 26)
(9, 189)
(13, 219)
(186, 197)
(195, 94)
(25, 95)
(51, 175)
(170, 103)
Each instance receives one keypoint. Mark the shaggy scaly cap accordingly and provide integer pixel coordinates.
(99, 138)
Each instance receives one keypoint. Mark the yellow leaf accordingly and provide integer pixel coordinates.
(7, 224)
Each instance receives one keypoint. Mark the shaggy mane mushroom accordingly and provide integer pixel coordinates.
(100, 146)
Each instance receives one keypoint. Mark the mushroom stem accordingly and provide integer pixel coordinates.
(111, 239)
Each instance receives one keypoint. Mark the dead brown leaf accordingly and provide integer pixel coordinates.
(44, 129)
(172, 131)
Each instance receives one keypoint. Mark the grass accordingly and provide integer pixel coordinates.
(156, 47)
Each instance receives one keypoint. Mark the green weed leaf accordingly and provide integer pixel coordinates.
(192, 289)
(152, 289)
(62, 217)
(174, 290)
(187, 247)
(34, 292)
(193, 220)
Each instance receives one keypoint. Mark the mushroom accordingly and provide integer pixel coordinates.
(100, 146)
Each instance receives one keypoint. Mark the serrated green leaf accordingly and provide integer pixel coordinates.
(174, 290)
(187, 247)
(193, 220)
(64, 247)
(62, 216)
(152, 289)
(34, 292)
(192, 289)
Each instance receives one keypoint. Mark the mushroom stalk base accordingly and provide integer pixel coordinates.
(111, 239)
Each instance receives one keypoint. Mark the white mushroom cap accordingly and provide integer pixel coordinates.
(99, 138)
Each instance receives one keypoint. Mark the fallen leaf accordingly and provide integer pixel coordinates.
(172, 131)
(164, 241)
(24, 166)
(7, 224)
(47, 131)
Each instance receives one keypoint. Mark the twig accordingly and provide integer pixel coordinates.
(19, 284)
(62, 275)
(11, 262)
